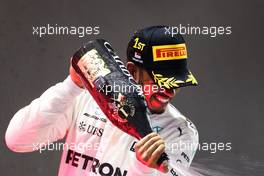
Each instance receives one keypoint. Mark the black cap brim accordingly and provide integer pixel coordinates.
(171, 80)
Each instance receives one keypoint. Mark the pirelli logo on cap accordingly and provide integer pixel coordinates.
(169, 52)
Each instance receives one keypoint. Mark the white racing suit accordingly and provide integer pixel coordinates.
(93, 145)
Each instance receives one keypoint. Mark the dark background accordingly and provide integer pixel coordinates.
(226, 107)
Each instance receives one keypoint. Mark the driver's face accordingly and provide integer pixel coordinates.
(157, 98)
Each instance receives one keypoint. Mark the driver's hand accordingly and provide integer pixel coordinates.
(149, 149)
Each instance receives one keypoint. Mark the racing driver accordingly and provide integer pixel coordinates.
(94, 146)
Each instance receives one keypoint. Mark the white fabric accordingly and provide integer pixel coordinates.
(66, 110)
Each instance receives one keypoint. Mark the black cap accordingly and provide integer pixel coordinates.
(163, 56)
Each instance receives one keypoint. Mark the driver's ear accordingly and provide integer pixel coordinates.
(133, 69)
